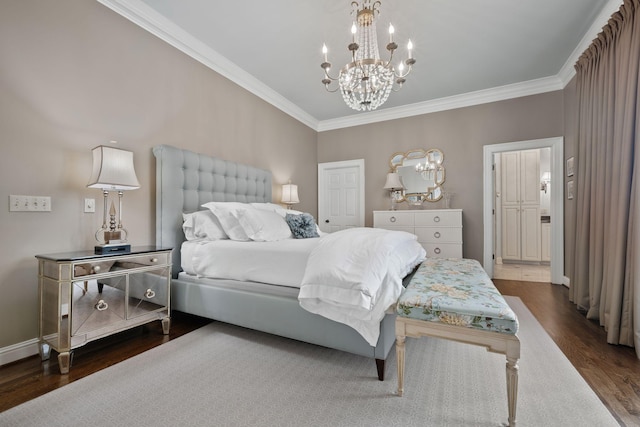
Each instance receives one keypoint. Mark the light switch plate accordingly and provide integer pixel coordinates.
(89, 205)
(29, 203)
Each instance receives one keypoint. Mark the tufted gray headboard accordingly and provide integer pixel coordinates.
(185, 180)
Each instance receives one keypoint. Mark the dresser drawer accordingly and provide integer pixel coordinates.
(442, 217)
(393, 219)
(439, 234)
(443, 250)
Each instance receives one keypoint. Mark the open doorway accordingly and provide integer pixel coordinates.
(555, 189)
(522, 215)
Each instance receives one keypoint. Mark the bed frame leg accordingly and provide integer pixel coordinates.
(380, 368)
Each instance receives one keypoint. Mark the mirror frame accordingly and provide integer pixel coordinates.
(398, 158)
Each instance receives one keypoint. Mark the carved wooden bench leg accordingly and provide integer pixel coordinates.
(513, 354)
(400, 358)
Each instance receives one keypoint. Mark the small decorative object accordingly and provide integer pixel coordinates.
(290, 194)
(570, 190)
(395, 186)
(570, 166)
(112, 170)
(447, 199)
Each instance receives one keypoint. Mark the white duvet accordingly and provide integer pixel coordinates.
(353, 276)
(276, 263)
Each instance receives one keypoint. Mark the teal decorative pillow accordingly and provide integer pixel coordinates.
(302, 226)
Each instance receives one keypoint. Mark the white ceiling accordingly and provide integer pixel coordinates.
(467, 51)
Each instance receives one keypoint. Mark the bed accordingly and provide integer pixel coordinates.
(184, 182)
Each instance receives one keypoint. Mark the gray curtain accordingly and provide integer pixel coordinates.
(605, 280)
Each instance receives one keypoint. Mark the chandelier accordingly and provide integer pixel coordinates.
(367, 81)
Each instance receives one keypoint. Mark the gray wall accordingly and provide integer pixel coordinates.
(570, 141)
(460, 134)
(74, 75)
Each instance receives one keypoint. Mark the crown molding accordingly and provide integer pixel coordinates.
(517, 90)
(144, 16)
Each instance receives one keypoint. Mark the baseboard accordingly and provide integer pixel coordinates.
(18, 351)
(566, 281)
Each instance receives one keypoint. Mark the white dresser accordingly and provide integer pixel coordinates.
(439, 231)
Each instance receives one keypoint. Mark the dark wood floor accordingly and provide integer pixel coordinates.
(612, 371)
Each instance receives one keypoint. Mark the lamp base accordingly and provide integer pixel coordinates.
(112, 249)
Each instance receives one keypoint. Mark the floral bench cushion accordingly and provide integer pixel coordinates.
(457, 292)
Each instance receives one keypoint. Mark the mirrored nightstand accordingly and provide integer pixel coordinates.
(84, 296)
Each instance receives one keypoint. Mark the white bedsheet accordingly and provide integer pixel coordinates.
(353, 276)
(277, 263)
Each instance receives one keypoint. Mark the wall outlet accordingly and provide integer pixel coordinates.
(89, 205)
(29, 203)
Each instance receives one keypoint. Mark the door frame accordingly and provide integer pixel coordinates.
(322, 167)
(557, 200)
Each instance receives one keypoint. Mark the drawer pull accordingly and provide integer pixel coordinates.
(149, 294)
(96, 268)
(101, 305)
(437, 251)
(436, 234)
(392, 219)
(436, 219)
(154, 259)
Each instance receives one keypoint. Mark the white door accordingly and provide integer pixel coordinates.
(341, 195)
(511, 243)
(521, 205)
(530, 233)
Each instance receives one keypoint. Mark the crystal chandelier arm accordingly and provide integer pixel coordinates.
(326, 66)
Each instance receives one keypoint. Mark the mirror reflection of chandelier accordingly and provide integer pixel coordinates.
(367, 81)
(427, 170)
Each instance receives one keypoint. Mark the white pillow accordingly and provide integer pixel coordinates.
(202, 225)
(224, 211)
(262, 225)
(271, 207)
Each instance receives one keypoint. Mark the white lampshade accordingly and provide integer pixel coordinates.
(393, 182)
(290, 194)
(113, 169)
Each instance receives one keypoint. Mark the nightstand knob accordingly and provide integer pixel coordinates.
(436, 219)
(437, 251)
(392, 219)
(96, 268)
(101, 305)
(436, 234)
(149, 294)
(154, 259)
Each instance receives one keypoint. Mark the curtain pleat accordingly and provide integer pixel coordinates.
(605, 278)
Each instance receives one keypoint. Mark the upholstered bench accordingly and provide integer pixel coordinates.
(455, 299)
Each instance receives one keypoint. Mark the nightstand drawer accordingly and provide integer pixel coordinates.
(145, 260)
(439, 234)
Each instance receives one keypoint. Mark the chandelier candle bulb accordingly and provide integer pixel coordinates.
(324, 51)
(410, 48)
(391, 30)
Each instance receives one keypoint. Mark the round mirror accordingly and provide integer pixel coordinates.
(422, 174)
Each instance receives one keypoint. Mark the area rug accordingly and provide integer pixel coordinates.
(222, 375)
